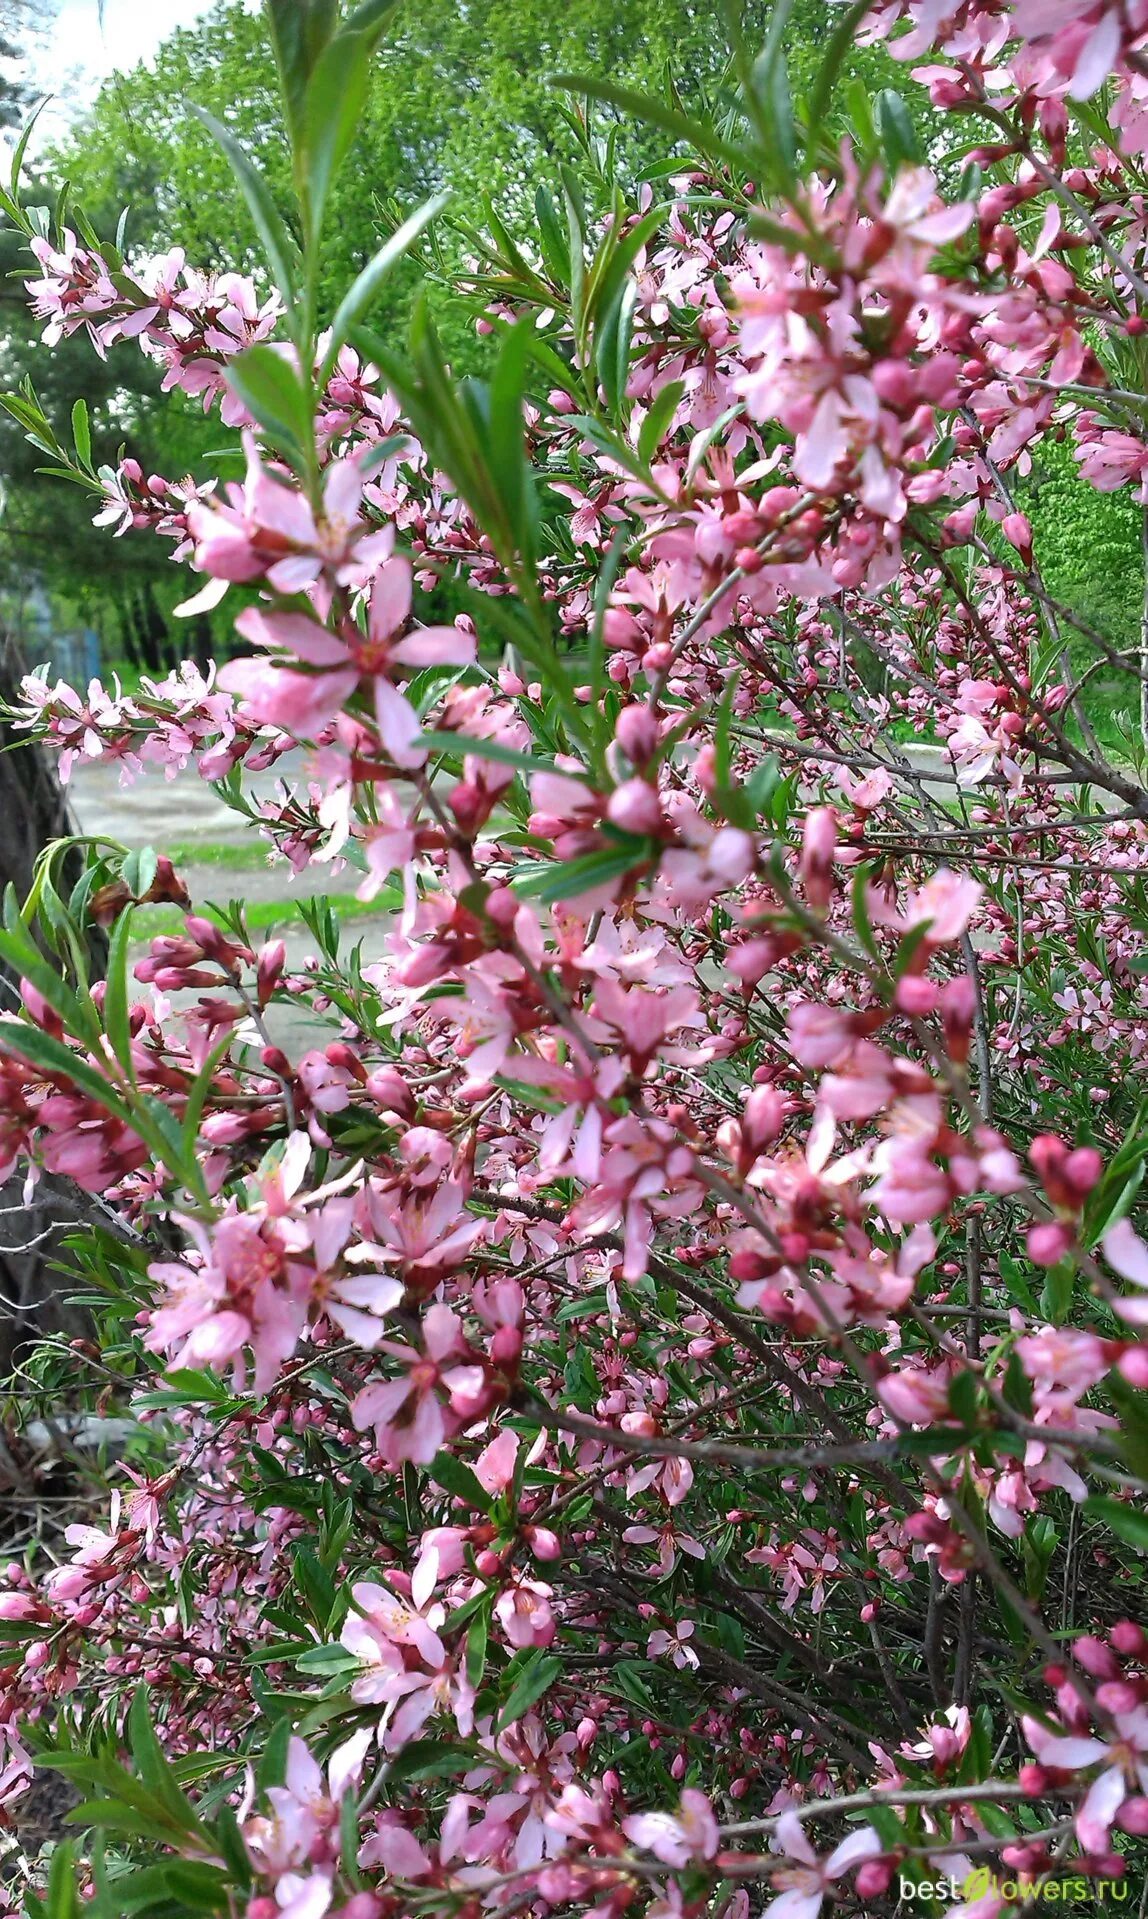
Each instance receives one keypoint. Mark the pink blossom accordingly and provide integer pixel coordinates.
(677, 1839)
(806, 1884)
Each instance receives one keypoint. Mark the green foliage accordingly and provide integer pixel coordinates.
(455, 101)
(1088, 547)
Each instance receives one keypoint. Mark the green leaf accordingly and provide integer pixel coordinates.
(1017, 1286)
(476, 1640)
(63, 1901)
(18, 158)
(27, 961)
(861, 922)
(506, 450)
(429, 1759)
(362, 291)
(1018, 1388)
(279, 248)
(840, 41)
(898, 134)
(553, 243)
(335, 97)
(272, 1767)
(613, 264)
(316, 1585)
(152, 1765)
(1132, 1406)
(370, 16)
(963, 1398)
(139, 870)
(456, 1477)
(657, 421)
(612, 341)
(327, 1660)
(603, 588)
(82, 433)
(1056, 1293)
(573, 877)
(535, 1677)
(642, 106)
(461, 744)
(1125, 1521)
(300, 29)
(778, 101)
(273, 393)
(117, 1012)
(57, 1062)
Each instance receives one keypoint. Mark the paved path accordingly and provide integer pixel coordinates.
(155, 810)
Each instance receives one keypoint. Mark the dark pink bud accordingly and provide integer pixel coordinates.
(1133, 1366)
(1129, 1639)
(916, 995)
(896, 383)
(1096, 1657)
(1083, 1168)
(763, 1116)
(777, 501)
(389, 1091)
(637, 734)
(957, 527)
(958, 1003)
(1024, 1858)
(1118, 1695)
(1132, 1818)
(501, 905)
(269, 969)
(873, 1878)
(37, 1006)
(1047, 1244)
(636, 808)
(818, 845)
(506, 1349)
(1018, 532)
(620, 628)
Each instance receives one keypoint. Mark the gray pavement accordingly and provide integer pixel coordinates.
(155, 809)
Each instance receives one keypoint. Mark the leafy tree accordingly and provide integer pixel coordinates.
(459, 98)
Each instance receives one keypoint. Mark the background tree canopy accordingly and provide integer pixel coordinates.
(461, 98)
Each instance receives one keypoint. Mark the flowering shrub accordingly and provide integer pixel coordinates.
(645, 1407)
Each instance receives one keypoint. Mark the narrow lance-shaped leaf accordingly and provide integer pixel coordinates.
(278, 246)
(271, 390)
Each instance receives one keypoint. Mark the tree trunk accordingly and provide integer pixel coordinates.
(33, 811)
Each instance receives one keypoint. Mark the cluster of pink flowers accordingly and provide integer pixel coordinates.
(191, 323)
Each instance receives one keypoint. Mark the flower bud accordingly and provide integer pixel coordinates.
(818, 845)
(636, 808)
(874, 1877)
(1132, 1817)
(637, 734)
(269, 969)
(1018, 532)
(916, 995)
(1048, 1243)
(1129, 1639)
